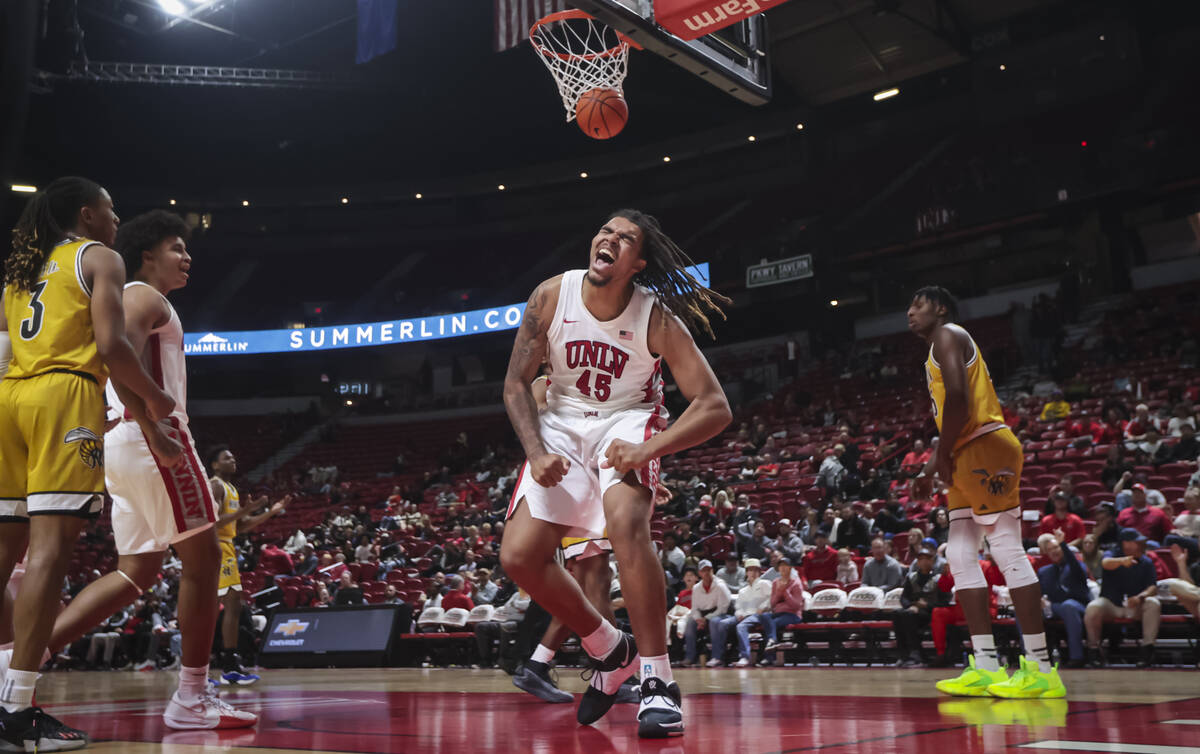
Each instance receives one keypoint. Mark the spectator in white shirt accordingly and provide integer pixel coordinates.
(710, 599)
(752, 599)
(295, 543)
(1183, 415)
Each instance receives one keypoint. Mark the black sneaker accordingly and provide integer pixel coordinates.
(620, 663)
(659, 715)
(1146, 656)
(534, 677)
(31, 729)
(630, 691)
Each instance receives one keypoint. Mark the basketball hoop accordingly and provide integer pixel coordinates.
(582, 54)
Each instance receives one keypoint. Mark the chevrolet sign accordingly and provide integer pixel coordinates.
(779, 271)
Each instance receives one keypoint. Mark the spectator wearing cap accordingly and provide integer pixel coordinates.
(882, 570)
(710, 598)
(789, 544)
(1129, 589)
(820, 563)
(1062, 518)
(917, 601)
(733, 574)
(1056, 409)
(1064, 584)
(1075, 503)
(703, 519)
(786, 604)
(752, 599)
(1147, 519)
(853, 531)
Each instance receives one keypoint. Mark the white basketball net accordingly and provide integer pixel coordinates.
(582, 54)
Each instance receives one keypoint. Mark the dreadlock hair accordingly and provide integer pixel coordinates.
(212, 455)
(47, 218)
(666, 275)
(940, 297)
(144, 232)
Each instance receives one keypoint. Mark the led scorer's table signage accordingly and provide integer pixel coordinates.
(477, 322)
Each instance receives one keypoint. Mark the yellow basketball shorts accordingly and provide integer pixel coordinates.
(578, 548)
(230, 578)
(51, 446)
(987, 474)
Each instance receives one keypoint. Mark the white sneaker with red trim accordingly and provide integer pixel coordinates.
(207, 712)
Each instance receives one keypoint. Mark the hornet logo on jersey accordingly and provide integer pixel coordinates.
(91, 447)
(997, 484)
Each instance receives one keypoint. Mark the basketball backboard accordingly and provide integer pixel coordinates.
(735, 60)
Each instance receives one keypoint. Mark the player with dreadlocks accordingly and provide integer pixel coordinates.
(593, 454)
(62, 331)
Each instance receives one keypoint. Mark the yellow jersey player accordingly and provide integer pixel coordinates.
(233, 519)
(979, 460)
(160, 495)
(62, 334)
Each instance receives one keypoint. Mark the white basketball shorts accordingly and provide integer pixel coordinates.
(577, 501)
(154, 506)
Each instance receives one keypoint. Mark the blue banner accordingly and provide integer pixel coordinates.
(477, 322)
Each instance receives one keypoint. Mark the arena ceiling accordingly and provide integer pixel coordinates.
(443, 103)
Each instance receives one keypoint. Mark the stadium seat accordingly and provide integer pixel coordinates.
(891, 600)
(455, 618)
(481, 613)
(865, 599)
(430, 619)
(830, 601)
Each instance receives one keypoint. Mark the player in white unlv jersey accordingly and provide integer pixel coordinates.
(593, 455)
(161, 495)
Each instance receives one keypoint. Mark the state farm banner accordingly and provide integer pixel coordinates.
(692, 19)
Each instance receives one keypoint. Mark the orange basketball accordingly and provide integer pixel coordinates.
(601, 113)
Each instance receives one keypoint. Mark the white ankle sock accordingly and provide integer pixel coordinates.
(192, 682)
(543, 655)
(601, 642)
(985, 652)
(17, 693)
(1035, 650)
(657, 667)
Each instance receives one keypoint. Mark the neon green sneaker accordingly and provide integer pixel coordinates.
(973, 681)
(1030, 683)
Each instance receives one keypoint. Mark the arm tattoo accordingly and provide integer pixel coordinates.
(528, 350)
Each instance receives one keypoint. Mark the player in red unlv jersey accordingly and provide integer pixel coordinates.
(593, 454)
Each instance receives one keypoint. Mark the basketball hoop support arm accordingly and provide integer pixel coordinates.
(698, 59)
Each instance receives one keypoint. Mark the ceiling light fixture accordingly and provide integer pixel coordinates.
(886, 94)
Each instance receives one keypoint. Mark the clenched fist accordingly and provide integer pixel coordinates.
(625, 457)
(549, 469)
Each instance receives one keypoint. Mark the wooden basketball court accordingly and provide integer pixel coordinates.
(755, 711)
